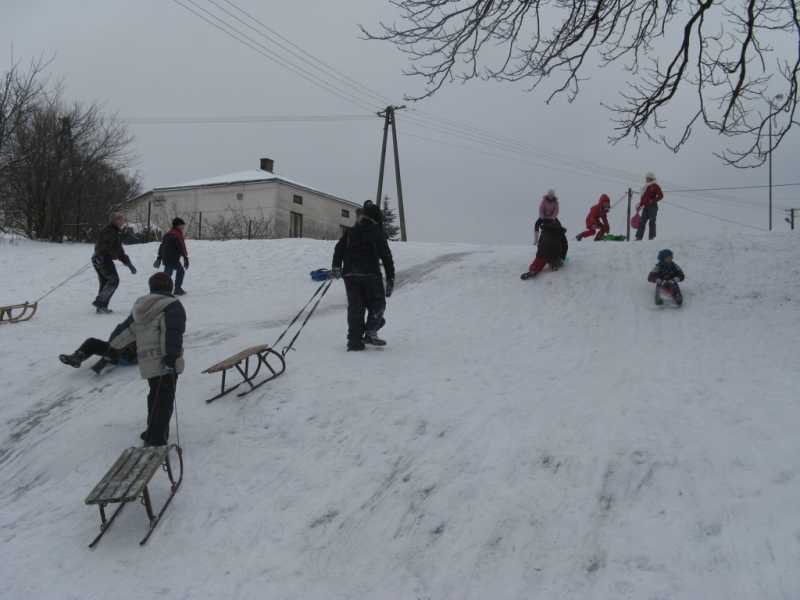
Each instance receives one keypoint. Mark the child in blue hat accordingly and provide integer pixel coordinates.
(666, 275)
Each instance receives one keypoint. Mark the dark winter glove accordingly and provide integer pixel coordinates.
(132, 268)
(185, 262)
(157, 264)
(336, 273)
(168, 365)
(389, 287)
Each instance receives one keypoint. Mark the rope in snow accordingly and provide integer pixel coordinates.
(67, 280)
(297, 316)
(327, 285)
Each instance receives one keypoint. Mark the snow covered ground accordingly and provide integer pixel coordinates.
(558, 438)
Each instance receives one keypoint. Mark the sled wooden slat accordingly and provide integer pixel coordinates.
(240, 361)
(126, 479)
(234, 360)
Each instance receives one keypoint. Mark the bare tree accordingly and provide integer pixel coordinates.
(66, 166)
(19, 92)
(234, 224)
(731, 59)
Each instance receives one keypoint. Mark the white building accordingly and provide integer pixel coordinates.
(255, 203)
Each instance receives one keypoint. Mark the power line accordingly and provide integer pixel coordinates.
(723, 219)
(202, 120)
(452, 128)
(334, 81)
(736, 187)
(248, 41)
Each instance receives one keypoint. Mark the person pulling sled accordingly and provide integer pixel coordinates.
(551, 250)
(648, 207)
(357, 259)
(666, 275)
(171, 251)
(96, 347)
(597, 220)
(108, 249)
(157, 324)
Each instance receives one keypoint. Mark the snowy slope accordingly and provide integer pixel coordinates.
(557, 438)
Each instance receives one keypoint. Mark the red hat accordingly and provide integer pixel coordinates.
(604, 199)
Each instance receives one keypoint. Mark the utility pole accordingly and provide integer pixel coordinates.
(790, 218)
(777, 98)
(390, 119)
(628, 223)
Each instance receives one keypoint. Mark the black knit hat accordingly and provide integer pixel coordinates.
(372, 211)
(177, 222)
(160, 282)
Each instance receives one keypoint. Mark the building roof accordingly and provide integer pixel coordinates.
(243, 177)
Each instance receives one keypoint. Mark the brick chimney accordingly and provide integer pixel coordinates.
(267, 164)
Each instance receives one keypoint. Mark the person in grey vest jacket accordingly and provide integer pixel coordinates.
(157, 323)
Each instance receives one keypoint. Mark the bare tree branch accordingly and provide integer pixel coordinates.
(722, 52)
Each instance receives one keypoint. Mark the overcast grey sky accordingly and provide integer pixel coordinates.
(152, 58)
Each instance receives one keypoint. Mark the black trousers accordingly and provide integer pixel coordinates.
(160, 404)
(94, 346)
(107, 277)
(365, 295)
(648, 215)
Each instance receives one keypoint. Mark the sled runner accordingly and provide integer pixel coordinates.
(127, 480)
(16, 313)
(241, 362)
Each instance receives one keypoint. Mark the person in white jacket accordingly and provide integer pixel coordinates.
(157, 323)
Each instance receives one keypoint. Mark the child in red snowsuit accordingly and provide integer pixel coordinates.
(596, 220)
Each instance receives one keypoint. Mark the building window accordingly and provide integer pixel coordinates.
(239, 196)
(297, 199)
(296, 225)
(345, 213)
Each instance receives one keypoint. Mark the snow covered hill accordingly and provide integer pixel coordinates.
(558, 438)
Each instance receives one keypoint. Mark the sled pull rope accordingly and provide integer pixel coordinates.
(297, 316)
(63, 283)
(327, 286)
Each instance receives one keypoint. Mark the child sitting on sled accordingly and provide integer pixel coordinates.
(666, 275)
(107, 354)
(552, 248)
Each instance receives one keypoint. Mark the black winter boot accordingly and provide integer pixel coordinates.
(371, 338)
(73, 360)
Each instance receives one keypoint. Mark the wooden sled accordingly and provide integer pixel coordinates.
(16, 313)
(126, 481)
(241, 362)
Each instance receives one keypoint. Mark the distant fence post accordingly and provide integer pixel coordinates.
(249, 229)
(628, 223)
(200, 227)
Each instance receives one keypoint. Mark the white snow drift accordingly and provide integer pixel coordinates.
(557, 438)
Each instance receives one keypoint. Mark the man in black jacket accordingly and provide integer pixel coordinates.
(108, 249)
(357, 258)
